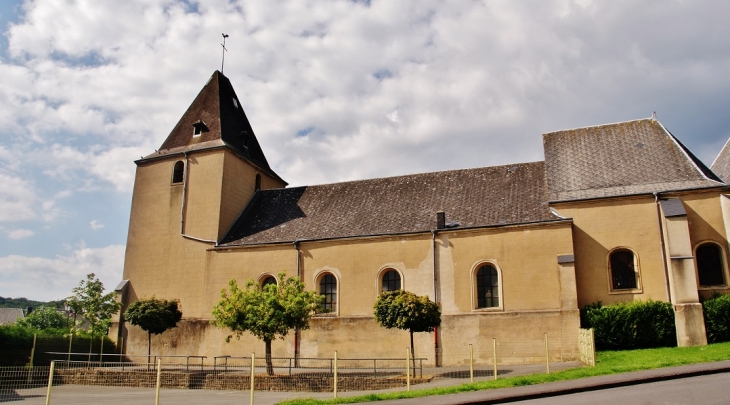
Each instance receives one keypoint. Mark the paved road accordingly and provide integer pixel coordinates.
(707, 390)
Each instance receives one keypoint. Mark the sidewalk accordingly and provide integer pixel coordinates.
(506, 395)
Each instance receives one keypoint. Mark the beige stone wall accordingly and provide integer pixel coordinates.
(603, 225)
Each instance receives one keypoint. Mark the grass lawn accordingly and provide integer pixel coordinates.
(606, 363)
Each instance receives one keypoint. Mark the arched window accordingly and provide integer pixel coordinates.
(709, 265)
(487, 281)
(391, 281)
(623, 269)
(328, 288)
(257, 187)
(178, 171)
(268, 280)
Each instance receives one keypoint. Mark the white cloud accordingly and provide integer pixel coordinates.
(53, 278)
(95, 225)
(20, 233)
(16, 199)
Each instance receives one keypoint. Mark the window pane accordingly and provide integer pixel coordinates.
(487, 287)
(391, 281)
(623, 275)
(328, 288)
(709, 265)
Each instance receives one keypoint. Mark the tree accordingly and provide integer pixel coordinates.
(154, 316)
(407, 311)
(95, 307)
(43, 318)
(267, 313)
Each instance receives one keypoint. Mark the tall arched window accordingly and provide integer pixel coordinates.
(257, 187)
(328, 288)
(709, 265)
(487, 281)
(623, 269)
(268, 280)
(391, 281)
(178, 171)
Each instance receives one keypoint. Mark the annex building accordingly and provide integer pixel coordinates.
(617, 212)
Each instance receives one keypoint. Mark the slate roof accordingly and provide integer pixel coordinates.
(633, 157)
(498, 195)
(10, 315)
(219, 110)
(721, 165)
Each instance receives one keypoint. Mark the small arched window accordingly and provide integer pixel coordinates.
(328, 288)
(178, 171)
(623, 269)
(487, 281)
(257, 187)
(267, 281)
(709, 265)
(391, 281)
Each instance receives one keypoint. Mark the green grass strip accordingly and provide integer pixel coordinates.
(609, 362)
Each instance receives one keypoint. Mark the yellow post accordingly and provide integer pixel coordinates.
(471, 363)
(253, 372)
(70, 340)
(547, 354)
(494, 356)
(159, 381)
(32, 352)
(335, 376)
(50, 382)
(408, 369)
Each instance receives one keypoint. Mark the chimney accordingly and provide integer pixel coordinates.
(440, 220)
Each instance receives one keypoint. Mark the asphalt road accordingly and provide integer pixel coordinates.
(707, 390)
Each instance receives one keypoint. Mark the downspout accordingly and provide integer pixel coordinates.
(435, 330)
(661, 245)
(182, 206)
(296, 330)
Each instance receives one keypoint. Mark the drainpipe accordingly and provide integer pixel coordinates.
(296, 330)
(182, 206)
(435, 330)
(661, 245)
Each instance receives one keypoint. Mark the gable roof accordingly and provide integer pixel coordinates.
(498, 195)
(10, 315)
(633, 157)
(721, 165)
(217, 111)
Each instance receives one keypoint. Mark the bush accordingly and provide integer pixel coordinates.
(632, 325)
(44, 318)
(717, 318)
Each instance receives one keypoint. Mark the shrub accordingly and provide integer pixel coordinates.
(632, 325)
(44, 318)
(717, 318)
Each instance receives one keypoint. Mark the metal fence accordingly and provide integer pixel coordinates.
(253, 379)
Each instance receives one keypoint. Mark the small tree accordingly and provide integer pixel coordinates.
(407, 311)
(43, 318)
(154, 316)
(267, 313)
(95, 307)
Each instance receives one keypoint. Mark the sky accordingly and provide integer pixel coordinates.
(335, 90)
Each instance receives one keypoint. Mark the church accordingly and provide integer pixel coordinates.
(615, 213)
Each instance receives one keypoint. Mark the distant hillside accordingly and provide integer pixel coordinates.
(7, 302)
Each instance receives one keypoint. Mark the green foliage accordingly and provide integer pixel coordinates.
(7, 302)
(632, 325)
(405, 310)
(44, 318)
(95, 307)
(154, 316)
(267, 313)
(717, 318)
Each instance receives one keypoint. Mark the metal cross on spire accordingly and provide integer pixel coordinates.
(223, 58)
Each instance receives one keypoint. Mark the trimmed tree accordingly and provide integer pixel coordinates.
(95, 307)
(154, 316)
(267, 313)
(407, 311)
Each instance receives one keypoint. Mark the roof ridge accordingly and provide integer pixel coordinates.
(423, 173)
(698, 165)
(601, 125)
(720, 153)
